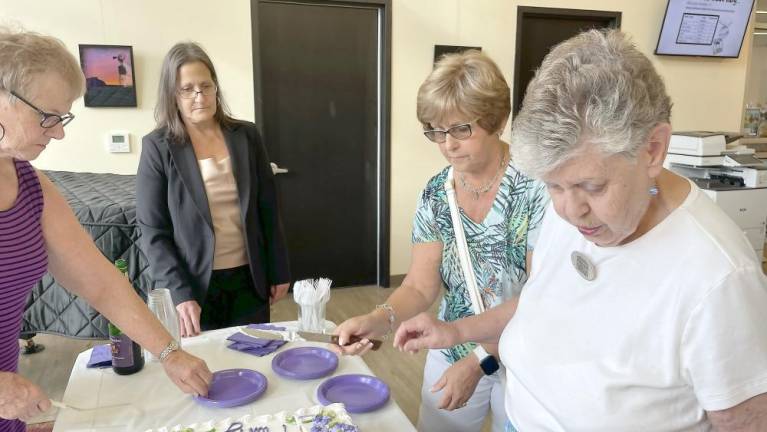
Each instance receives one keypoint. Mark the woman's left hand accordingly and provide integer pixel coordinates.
(278, 292)
(458, 383)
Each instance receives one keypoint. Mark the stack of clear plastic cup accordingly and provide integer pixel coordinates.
(161, 305)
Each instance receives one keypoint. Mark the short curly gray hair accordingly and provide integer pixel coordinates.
(596, 87)
(25, 54)
(469, 84)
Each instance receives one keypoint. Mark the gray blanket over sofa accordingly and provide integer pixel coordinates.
(105, 205)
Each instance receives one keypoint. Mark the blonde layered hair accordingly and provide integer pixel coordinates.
(468, 84)
(25, 55)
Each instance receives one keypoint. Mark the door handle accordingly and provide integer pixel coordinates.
(277, 170)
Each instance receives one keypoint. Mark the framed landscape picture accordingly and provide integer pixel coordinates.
(110, 80)
(440, 50)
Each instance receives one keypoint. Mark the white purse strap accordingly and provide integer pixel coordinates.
(477, 305)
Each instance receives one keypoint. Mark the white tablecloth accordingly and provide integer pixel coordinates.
(157, 402)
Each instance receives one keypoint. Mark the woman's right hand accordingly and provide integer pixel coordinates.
(189, 318)
(366, 326)
(425, 331)
(189, 373)
(20, 398)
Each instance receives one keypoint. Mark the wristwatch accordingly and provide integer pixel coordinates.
(487, 362)
(172, 346)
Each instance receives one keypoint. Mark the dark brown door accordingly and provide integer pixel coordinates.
(540, 29)
(319, 97)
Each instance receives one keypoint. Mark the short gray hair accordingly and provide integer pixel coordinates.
(166, 111)
(469, 84)
(596, 87)
(25, 55)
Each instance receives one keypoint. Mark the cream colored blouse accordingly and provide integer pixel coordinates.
(224, 203)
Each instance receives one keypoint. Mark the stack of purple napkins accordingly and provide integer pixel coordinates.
(101, 356)
(256, 346)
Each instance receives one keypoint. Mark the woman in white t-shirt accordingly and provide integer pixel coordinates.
(646, 307)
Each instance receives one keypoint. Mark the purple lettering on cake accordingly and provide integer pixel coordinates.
(235, 427)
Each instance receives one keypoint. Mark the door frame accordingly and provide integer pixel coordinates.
(384, 111)
(544, 12)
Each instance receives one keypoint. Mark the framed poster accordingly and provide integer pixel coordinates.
(440, 50)
(110, 79)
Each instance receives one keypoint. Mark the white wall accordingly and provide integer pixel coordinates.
(707, 93)
(151, 27)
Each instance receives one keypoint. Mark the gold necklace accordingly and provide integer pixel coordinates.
(477, 191)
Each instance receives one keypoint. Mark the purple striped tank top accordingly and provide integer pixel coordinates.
(23, 262)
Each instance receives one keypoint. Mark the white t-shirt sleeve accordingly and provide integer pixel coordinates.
(724, 345)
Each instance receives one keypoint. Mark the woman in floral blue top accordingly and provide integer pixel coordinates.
(463, 106)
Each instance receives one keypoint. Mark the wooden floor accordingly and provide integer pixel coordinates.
(50, 368)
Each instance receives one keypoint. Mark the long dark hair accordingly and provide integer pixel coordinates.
(166, 112)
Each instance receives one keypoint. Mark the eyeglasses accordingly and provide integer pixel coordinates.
(47, 120)
(459, 132)
(207, 89)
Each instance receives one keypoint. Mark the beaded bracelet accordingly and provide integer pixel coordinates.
(392, 316)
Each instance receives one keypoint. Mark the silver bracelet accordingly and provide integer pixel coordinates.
(172, 346)
(392, 316)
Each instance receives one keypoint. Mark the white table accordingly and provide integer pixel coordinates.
(157, 402)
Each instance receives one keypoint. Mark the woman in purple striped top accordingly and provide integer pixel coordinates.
(39, 81)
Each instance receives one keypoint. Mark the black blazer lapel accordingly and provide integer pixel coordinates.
(237, 143)
(186, 164)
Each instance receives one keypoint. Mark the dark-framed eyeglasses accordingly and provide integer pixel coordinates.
(47, 120)
(207, 89)
(459, 132)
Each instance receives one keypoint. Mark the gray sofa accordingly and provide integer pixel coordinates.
(105, 205)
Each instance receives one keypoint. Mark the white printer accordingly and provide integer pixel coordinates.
(729, 174)
(716, 155)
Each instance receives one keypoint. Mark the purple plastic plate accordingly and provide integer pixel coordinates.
(305, 363)
(359, 393)
(234, 387)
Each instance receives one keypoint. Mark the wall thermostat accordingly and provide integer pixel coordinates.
(118, 142)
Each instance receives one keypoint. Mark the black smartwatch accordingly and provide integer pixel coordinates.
(488, 363)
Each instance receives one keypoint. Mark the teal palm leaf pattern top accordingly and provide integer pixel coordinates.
(497, 246)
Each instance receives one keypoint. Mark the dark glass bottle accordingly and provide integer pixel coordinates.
(127, 356)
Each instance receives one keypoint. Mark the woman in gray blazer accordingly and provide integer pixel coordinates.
(207, 204)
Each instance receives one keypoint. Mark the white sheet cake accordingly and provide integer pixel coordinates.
(331, 418)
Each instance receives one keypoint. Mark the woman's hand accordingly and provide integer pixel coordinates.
(188, 372)
(278, 292)
(20, 398)
(189, 318)
(374, 324)
(425, 331)
(458, 383)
